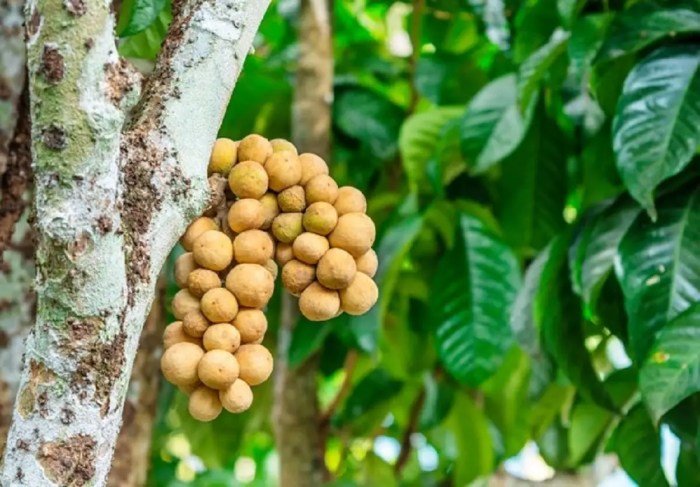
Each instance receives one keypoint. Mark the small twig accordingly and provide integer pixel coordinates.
(349, 368)
(413, 418)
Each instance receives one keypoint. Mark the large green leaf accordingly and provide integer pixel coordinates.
(535, 67)
(588, 425)
(672, 371)
(370, 393)
(657, 122)
(659, 267)
(137, 15)
(477, 278)
(470, 430)
(637, 445)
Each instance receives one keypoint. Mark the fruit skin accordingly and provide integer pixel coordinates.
(175, 333)
(354, 233)
(271, 267)
(255, 362)
(350, 200)
(179, 363)
(254, 147)
(196, 228)
(202, 280)
(336, 269)
(218, 369)
(367, 263)
(320, 217)
(287, 226)
(321, 188)
(284, 253)
(204, 404)
(270, 209)
(252, 285)
(311, 166)
(219, 305)
(183, 303)
(222, 336)
(184, 265)
(283, 169)
(213, 250)
(279, 145)
(253, 247)
(223, 156)
(359, 296)
(195, 323)
(292, 199)
(237, 397)
(297, 276)
(310, 247)
(248, 179)
(246, 214)
(318, 303)
(251, 324)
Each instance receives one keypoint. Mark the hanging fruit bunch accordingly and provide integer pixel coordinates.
(281, 209)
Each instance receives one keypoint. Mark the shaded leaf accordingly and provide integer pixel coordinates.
(439, 397)
(146, 44)
(588, 425)
(370, 392)
(473, 441)
(138, 15)
(535, 67)
(307, 338)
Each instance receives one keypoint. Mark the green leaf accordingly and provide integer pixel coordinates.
(548, 407)
(146, 44)
(657, 123)
(672, 371)
(439, 397)
(372, 391)
(586, 38)
(588, 425)
(534, 23)
(493, 125)
(138, 16)
(659, 267)
(637, 445)
(645, 23)
(307, 339)
(472, 440)
(535, 67)
(478, 279)
(449, 79)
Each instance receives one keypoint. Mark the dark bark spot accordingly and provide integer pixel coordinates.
(4, 339)
(52, 65)
(69, 462)
(67, 416)
(34, 391)
(5, 90)
(76, 7)
(22, 445)
(34, 23)
(89, 43)
(104, 223)
(54, 137)
(19, 475)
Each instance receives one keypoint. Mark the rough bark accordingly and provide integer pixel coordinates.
(115, 187)
(297, 419)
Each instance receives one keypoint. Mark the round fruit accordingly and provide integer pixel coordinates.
(219, 305)
(253, 247)
(311, 166)
(336, 269)
(223, 157)
(359, 296)
(213, 250)
(196, 228)
(179, 363)
(246, 214)
(218, 369)
(252, 285)
(354, 233)
(270, 209)
(350, 200)
(321, 188)
(195, 323)
(190, 388)
(283, 170)
(183, 303)
(272, 268)
(237, 397)
(367, 263)
(320, 217)
(287, 226)
(310, 247)
(175, 333)
(204, 404)
(279, 145)
(202, 280)
(255, 363)
(296, 276)
(318, 303)
(221, 336)
(292, 199)
(251, 324)
(248, 179)
(284, 253)
(183, 266)
(254, 148)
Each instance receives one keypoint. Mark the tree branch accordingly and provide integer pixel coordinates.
(411, 428)
(349, 369)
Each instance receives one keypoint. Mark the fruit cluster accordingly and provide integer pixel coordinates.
(283, 209)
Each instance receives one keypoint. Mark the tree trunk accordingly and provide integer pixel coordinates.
(116, 183)
(297, 419)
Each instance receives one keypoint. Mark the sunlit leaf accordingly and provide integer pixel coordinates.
(535, 67)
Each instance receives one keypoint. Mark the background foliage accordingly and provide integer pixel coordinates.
(532, 166)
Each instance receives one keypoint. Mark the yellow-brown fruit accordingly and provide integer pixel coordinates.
(196, 228)
(283, 169)
(272, 268)
(297, 276)
(270, 209)
(221, 336)
(292, 199)
(213, 250)
(254, 148)
(183, 266)
(219, 305)
(310, 247)
(183, 303)
(251, 324)
(287, 226)
(336, 269)
(190, 388)
(321, 188)
(255, 363)
(246, 214)
(248, 179)
(223, 156)
(311, 166)
(318, 303)
(359, 296)
(204, 404)
(218, 369)
(367, 263)
(252, 285)
(237, 397)
(280, 145)
(179, 363)
(253, 247)
(195, 323)
(353, 233)
(202, 280)
(283, 253)
(175, 333)
(320, 217)
(350, 200)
